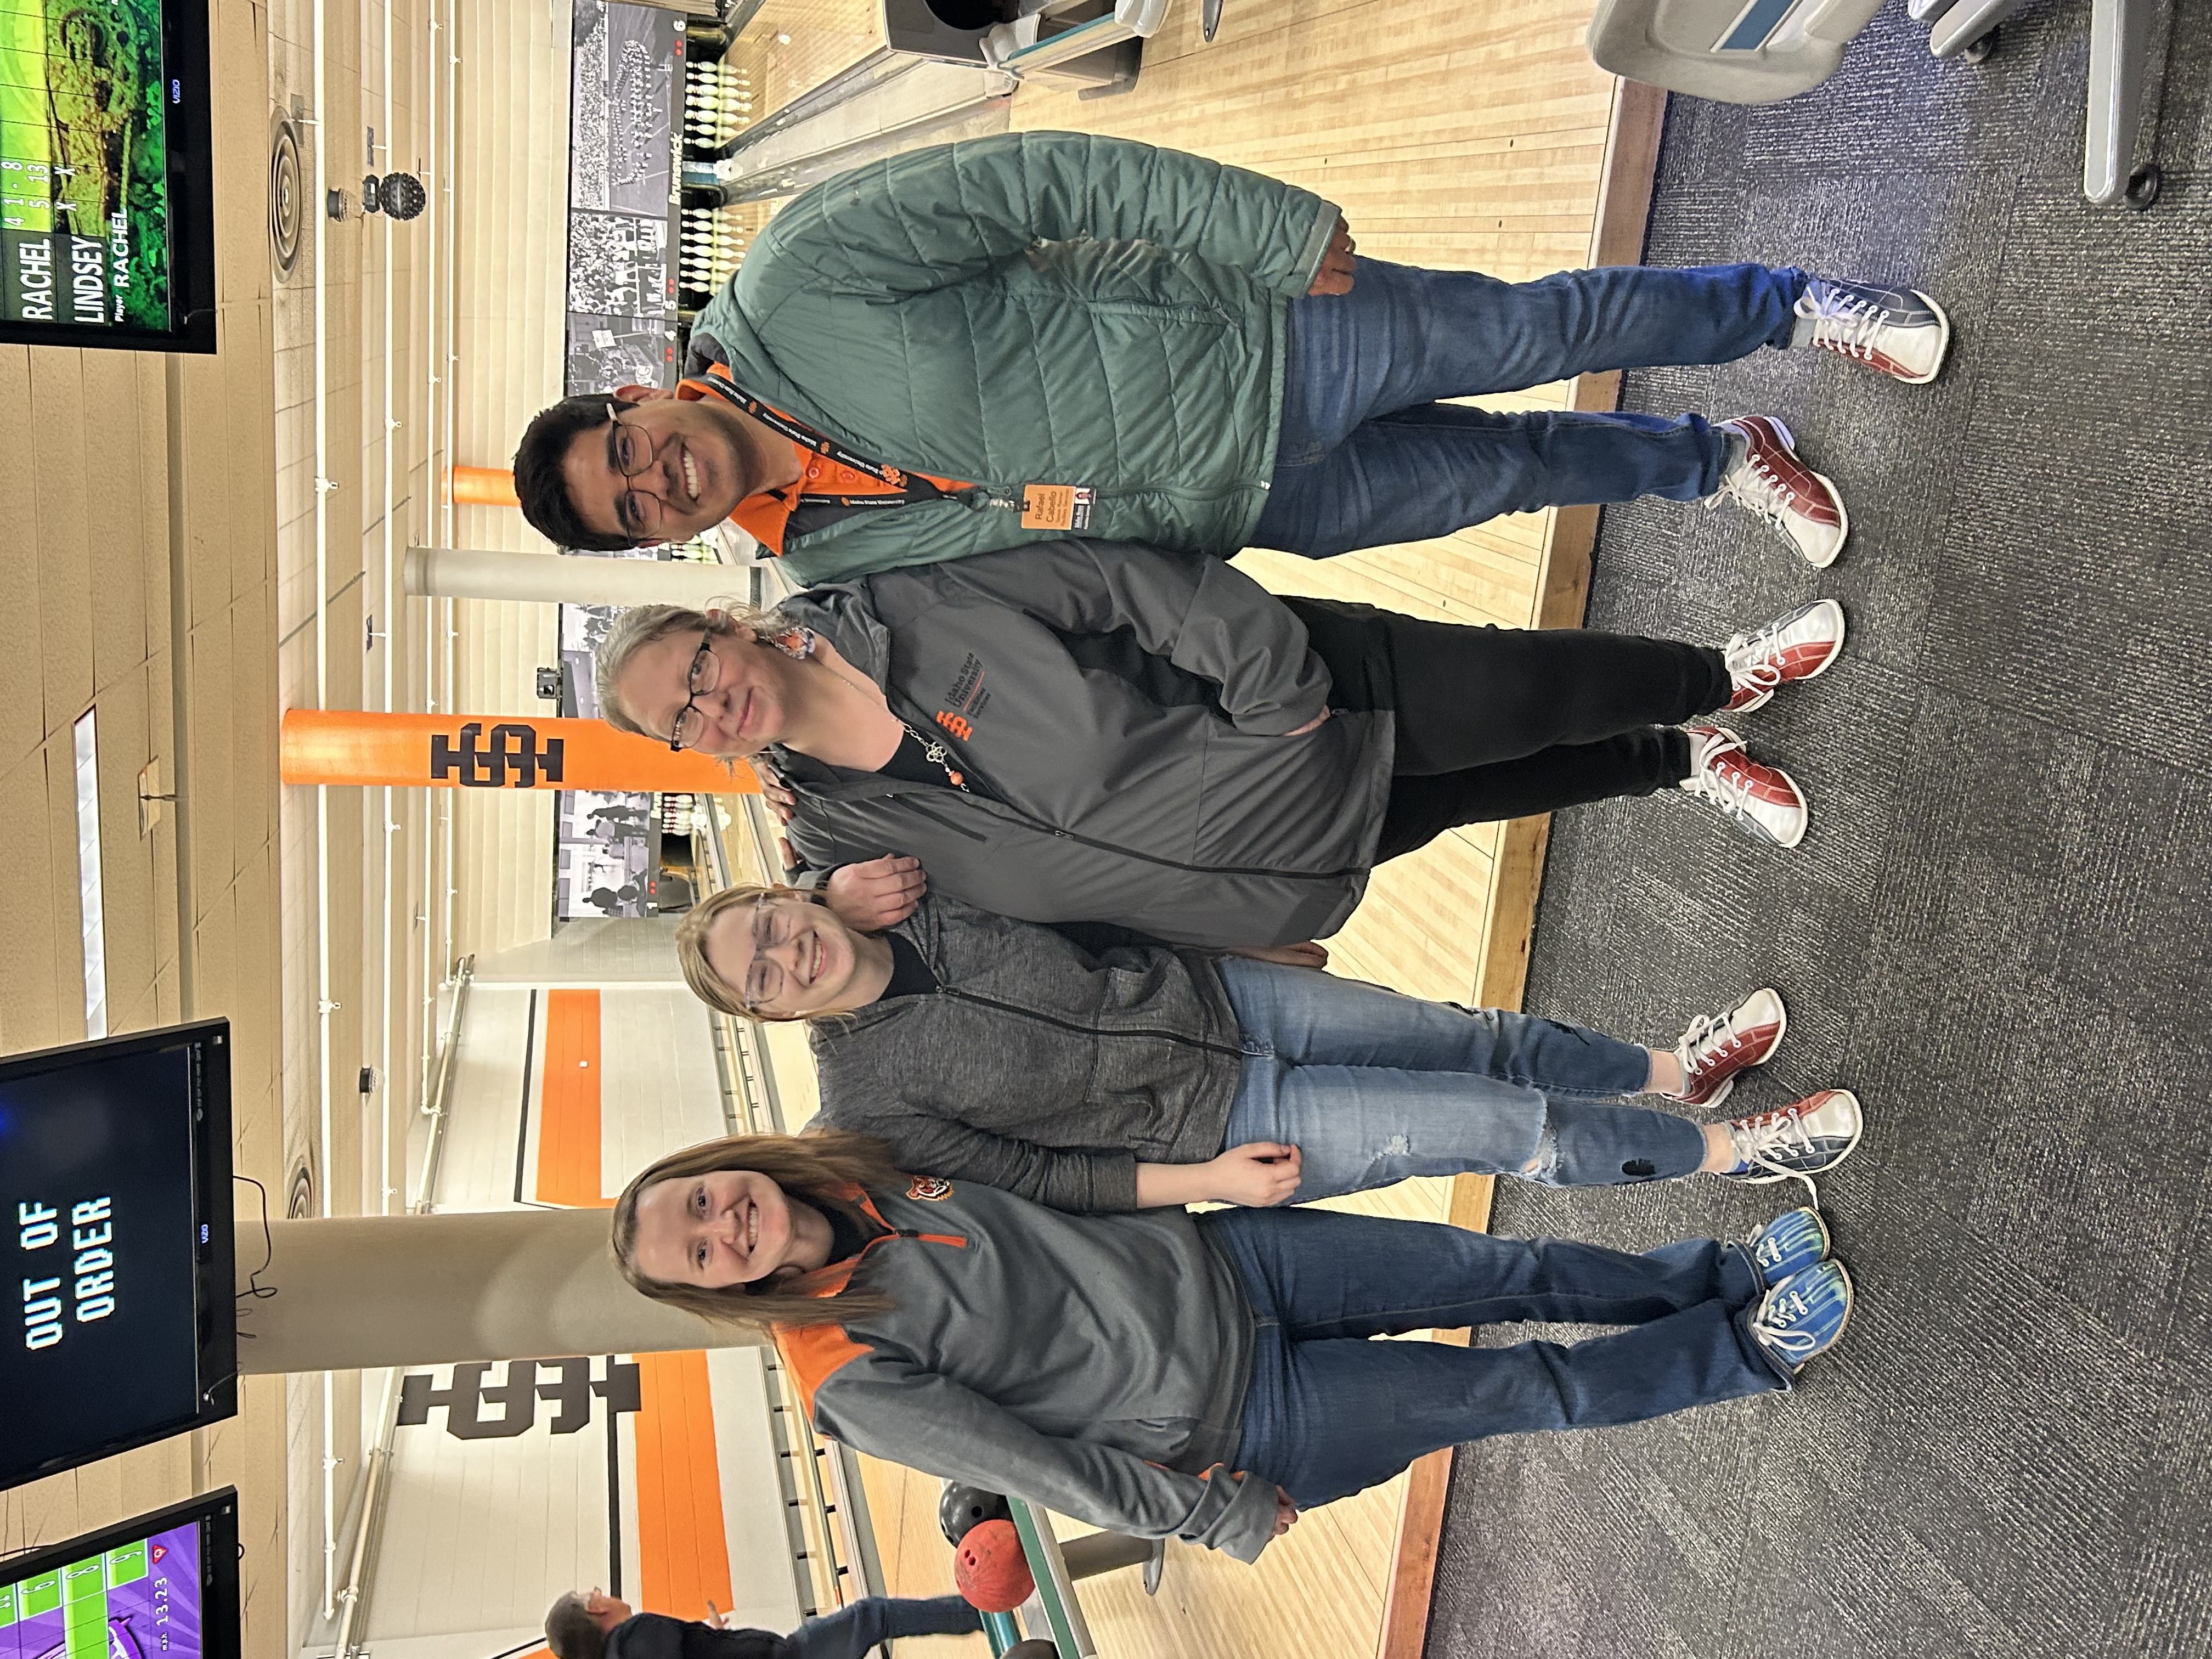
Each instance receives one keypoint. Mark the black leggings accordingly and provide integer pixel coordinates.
(1504, 722)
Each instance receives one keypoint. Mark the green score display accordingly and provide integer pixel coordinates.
(104, 229)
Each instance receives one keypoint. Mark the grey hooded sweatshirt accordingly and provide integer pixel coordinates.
(1096, 1364)
(1044, 1063)
(1119, 713)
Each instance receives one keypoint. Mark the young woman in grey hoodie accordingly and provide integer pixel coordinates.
(1198, 1377)
(1090, 1068)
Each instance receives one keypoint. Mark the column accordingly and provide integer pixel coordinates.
(492, 752)
(469, 573)
(359, 1292)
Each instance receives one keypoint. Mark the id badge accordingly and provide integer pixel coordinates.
(1055, 506)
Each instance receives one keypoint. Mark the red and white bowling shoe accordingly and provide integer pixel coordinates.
(1761, 800)
(1783, 491)
(1797, 646)
(1718, 1046)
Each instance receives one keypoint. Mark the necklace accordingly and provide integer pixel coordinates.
(799, 644)
(938, 755)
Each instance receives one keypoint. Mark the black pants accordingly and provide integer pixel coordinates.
(1504, 722)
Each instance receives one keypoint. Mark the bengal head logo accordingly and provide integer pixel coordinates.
(929, 1187)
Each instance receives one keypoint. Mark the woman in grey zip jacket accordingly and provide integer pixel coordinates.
(1202, 1377)
(1100, 732)
(1090, 1068)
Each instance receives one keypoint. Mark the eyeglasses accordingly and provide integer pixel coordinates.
(764, 979)
(703, 677)
(629, 451)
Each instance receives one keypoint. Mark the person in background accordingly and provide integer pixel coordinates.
(976, 346)
(593, 1625)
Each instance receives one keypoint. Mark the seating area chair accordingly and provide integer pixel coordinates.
(1733, 51)
(1758, 51)
(2119, 50)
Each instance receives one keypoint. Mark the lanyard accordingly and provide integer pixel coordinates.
(908, 487)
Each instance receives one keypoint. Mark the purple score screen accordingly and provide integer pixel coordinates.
(138, 1601)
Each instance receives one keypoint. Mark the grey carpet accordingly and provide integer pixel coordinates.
(1995, 932)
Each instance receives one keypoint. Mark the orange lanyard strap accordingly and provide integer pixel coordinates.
(898, 488)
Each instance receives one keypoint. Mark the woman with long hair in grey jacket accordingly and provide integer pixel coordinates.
(1205, 1378)
(1091, 1069)
(1100, 732)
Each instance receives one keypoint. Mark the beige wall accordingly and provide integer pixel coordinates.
(512, 192)
(166, 578)
(364, 263)
(591, 951)
(142, 582)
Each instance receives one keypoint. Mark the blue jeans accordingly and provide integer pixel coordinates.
(1329, 1412)
(1373, 1087)
(1367, 456)
(863, 1625)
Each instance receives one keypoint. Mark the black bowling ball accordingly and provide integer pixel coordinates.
(963, 1509)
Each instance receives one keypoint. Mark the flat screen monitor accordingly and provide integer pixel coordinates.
(121, 1322)
(107, 202)
(164, 1586)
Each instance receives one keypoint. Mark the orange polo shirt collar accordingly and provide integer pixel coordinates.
(765, 514)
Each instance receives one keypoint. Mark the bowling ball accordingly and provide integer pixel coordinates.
(987, 1567)
(1035, 1648)
(962, 1507)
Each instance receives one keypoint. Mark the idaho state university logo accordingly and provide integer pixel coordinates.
(514, 750)
(929, 1187)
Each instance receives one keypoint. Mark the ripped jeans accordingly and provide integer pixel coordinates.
(1373, 1087)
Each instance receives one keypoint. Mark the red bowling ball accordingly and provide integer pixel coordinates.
(988, 1569)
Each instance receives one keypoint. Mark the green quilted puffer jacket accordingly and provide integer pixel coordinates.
(1041, 307)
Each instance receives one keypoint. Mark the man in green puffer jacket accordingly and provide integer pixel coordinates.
(993, 342)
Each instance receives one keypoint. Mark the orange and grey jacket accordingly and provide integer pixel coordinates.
(1096, 1364)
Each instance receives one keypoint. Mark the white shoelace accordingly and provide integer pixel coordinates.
(1788, 1340)
(1841, 321)
(1757, 1147)
(1749, 665)
(1704, 1030)
(1732, 795)
(1754, 485)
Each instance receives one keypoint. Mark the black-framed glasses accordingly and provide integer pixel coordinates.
(629, 451)
(704, 674)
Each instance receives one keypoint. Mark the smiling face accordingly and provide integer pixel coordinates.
(788, 958)
(696, 464)
(726, 1227)
(745, 709)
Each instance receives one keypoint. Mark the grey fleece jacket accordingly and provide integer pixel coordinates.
(1123, 714)
(1044, 1066)
(1094, 1364)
